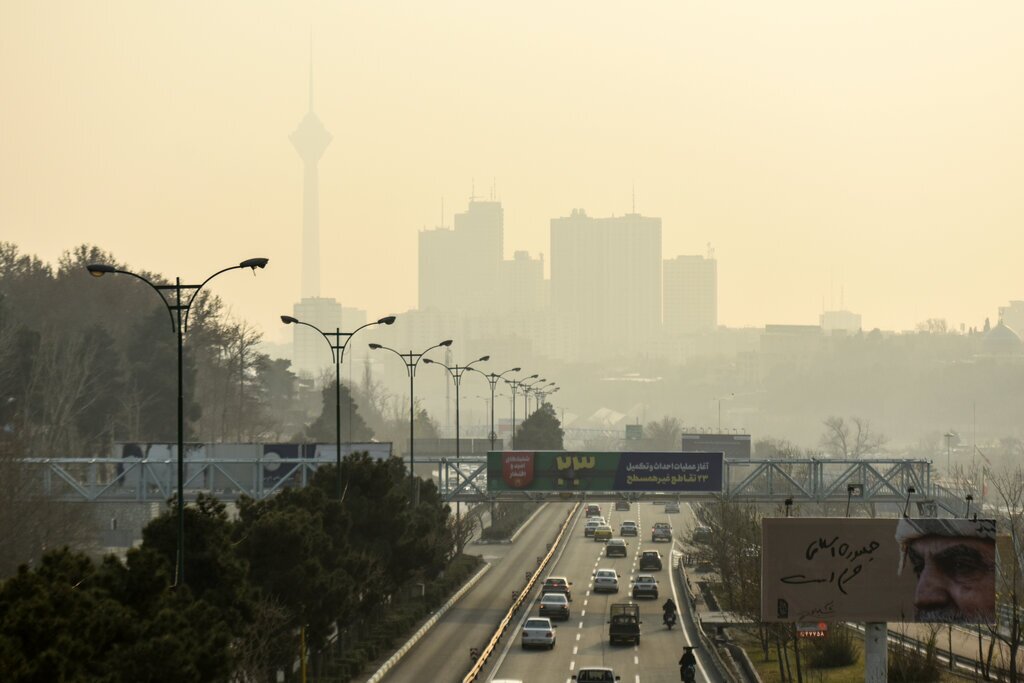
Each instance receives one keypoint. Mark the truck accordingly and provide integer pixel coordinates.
(624, 623)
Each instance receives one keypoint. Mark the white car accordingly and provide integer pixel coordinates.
(591, 525)
(671, 507)
(606, 580)
(538, 632)
(629, 528)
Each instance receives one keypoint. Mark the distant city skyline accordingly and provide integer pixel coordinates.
(813, 144)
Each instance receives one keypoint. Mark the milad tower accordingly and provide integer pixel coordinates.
(309, 356)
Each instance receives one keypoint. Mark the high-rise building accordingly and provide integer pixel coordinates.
(842, 322)
(310, 354)
(459, 268)
(691, 295)
(606, 276)
(522, 287)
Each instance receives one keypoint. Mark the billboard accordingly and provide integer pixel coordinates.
(733, 446)
(570, 471)
(841, 569)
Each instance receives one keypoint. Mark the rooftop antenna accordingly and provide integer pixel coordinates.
(472, 190)
(634, 196)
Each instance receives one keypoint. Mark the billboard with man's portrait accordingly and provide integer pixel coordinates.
(911, 570)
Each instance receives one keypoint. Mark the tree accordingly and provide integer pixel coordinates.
(851, 440)
(664, 434)
(353, 427)
(541, 431)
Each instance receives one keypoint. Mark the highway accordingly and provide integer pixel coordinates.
(583, 640)
(444, 651)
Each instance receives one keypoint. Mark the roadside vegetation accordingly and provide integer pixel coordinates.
(346, 578)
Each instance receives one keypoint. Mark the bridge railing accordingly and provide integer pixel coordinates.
(465, 480)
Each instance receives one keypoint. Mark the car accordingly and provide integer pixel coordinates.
(650, 560)
(671, 507)
(622, 505)
(555, 606)
(629, 528)
(593, 510)
(602, 533)
(590, 526)
(557, 584)
(598, 674)
(606, 581)
(615, 547)
(661, 531)
(701, 534)
(645, 585)
(538, 632)
(624, 623)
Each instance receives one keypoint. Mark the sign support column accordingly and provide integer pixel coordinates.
(876, 651)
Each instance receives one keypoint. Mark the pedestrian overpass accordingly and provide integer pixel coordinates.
(905, 482)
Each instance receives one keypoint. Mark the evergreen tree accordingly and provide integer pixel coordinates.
(541, 431)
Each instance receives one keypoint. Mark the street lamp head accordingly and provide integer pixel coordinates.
(516, 369)
(99, 269)
(288, 320)
(446, 342)
(427, 360)
(386, 321)
(532, 377)
(483, 358)
(375, 346)
(254, 263)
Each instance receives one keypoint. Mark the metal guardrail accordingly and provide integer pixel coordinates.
(518, 601)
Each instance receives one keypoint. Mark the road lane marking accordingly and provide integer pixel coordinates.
(636, 660)
(572, 665)
(583, 613)
(575, 649)
(581, 625)
(578, 637)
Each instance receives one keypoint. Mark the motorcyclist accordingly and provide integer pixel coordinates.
(688, 666)
(670, 611)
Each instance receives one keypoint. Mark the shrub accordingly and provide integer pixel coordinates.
(834, 650)
(910, 666)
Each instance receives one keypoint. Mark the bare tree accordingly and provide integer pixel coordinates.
(851, 440)
(1008, 486)
(664, 434)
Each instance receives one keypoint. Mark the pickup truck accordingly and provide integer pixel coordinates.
(624, 623)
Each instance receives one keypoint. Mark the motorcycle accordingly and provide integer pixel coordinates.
(689, 674)
(669, 620)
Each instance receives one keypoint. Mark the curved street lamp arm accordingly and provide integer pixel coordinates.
(322, 334)
(348, 336)
(251, 263)
(155, 289)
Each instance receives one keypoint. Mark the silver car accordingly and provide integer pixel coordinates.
(606, 581)
(539, 632)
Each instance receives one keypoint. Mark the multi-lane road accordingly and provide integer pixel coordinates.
(582, 641)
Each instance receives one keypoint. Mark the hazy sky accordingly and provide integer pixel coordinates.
(876, 147)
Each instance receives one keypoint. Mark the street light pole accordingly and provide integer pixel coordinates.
(337, 344)
(492, 380)
(456, 372)
(515, 384)
(171, 297)
(411, 360)
(527, 388)
(949, 436)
